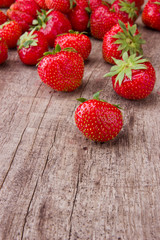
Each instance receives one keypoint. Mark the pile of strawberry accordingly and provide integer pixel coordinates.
(50, 33)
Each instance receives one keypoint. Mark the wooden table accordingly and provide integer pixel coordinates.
(55, 184)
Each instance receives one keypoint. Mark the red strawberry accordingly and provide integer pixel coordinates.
(79, 17)
(3, 51)
(52, 23)
(41, 4)
(3, 17)
(15, 16)
(6, 3)
(133, 77)
(127, 10)
(10, 32)
(80, 42)
(60, 5)
(102, 20)
(151, 14)
(62, 70)
(121, 38)
(29, 7)
(93, 4)
(98, 120)
(31, 46)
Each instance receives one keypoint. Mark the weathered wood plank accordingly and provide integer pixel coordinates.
(54, 183)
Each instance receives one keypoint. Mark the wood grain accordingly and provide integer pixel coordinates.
(55, 184)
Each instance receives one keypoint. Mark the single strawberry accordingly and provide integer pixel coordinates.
(151, 14)
(3, 51)
(60, 5)
(10, 31)
(121, 38)
(98, 120)
(102, 20)
(133, 77)
(15, 16)
(93, 4)
(51, 24)
(28, 7)
(6, 3)
(80, 42)
(41, 4)
(79, 17)
(128, 11)
(31, 46)
(3, 17)
(62, 70)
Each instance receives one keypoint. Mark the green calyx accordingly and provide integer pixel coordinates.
(129, 8)
(96, 97)
(41, 20)
(27, 39)
(73, 3)
(158, 3)
(128, 40)
(124, 67)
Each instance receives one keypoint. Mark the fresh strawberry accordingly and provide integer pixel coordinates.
(29, 7)
(31, 46)
(3, 17)
(151, 14)
(60, 5)
(6, 3)
(98, 120)
(41, 4)
(79, 17)
(15, 16)
(10, 31)
(133, 77)
(102, 20)
(121, 38)
(127, 10)
(93, 4)
(80, 42)
(62, 70)
(52, 23)
(3, 51)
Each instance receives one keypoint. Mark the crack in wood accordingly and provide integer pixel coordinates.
(25, 219)
(13, 157)
(55, 134)
(74, 202)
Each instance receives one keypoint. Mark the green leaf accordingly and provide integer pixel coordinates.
(96, 95)
(57, 48)
(82, 100)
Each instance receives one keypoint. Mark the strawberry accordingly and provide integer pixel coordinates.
(133, 77)
(80, 42)
(3, 17)
(98, 120)
(79, 17)
(121, 38)
(151, 14)
(29, 7)
(52, 23)
(62, 70)
(10, 31)
(60, 5)
(41, 4)
(6, 3)
(93, 4)
(102, 20)
(31, 46)
(3, 51)
(127, 10)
